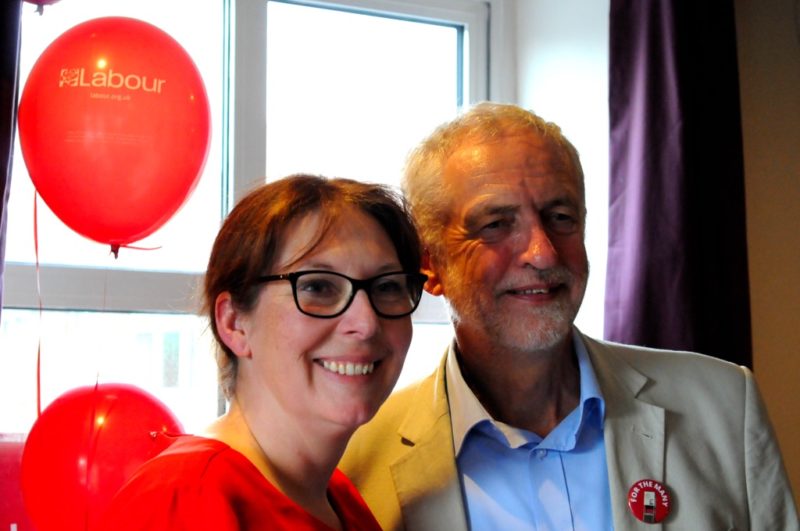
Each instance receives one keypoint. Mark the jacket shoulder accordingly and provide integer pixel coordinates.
(668, 368)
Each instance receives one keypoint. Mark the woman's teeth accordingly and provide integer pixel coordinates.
(348, 367)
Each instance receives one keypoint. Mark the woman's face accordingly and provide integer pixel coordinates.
(292, 359)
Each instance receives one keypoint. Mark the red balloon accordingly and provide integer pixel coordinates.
(114, 126)
(82, 449)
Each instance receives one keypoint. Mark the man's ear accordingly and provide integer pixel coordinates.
(434, 283)
(230, 325)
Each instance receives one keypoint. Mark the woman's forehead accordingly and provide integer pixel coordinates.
(312, 232)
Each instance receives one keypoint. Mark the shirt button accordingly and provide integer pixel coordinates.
(541, 454)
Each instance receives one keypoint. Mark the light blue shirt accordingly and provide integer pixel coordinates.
(512, 479)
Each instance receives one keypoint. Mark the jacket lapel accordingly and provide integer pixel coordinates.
(425, 478)
(634, 430)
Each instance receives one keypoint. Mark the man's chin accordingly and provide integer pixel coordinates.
(534, 335)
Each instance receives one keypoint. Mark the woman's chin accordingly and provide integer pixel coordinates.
(355, 417)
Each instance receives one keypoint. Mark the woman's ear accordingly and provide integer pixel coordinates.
(230, 325)
(434, 283)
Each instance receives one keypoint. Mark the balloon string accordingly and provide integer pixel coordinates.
(116, 247)
(39, 296)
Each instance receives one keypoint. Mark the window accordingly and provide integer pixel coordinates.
(133, 319)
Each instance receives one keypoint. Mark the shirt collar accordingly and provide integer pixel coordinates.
(466, 411)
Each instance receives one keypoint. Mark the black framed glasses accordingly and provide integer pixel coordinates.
(327, 294)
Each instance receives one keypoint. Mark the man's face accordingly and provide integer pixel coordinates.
(515, 267)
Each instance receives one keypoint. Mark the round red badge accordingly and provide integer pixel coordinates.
(649, 501)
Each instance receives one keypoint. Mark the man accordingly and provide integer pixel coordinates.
(527, 423)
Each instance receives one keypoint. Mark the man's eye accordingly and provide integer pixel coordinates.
(495, 224)
(562, 223)
(495, 230)
(498, 224)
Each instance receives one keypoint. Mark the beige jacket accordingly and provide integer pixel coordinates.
(693, 422)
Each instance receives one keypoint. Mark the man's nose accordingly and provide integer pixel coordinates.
(538, 250)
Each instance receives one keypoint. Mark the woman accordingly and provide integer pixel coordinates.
(309, 291)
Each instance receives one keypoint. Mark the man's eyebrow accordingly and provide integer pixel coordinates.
(561, 201)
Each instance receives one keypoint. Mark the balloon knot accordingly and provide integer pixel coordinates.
(115, 250)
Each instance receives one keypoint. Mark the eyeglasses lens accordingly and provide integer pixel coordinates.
(326, 294)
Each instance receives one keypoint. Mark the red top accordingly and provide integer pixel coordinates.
(200, 483)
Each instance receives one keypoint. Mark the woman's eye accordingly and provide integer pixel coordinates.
(317, 287)
(389, 287)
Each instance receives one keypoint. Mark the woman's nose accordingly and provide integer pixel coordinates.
(360, 318)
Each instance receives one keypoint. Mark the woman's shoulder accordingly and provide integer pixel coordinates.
(188, 459)
(187, 464)
(195, 483)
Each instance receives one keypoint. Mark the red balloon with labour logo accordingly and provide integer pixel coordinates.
(114, 127)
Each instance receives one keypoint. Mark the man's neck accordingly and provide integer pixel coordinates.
(528, 390)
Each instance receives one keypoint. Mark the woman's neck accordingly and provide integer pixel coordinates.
(296, 460)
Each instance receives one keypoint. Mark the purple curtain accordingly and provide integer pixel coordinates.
(9, 59)
(677, 262)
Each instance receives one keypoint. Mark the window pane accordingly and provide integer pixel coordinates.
(184, 242)
(169, 356)
(348, 94)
